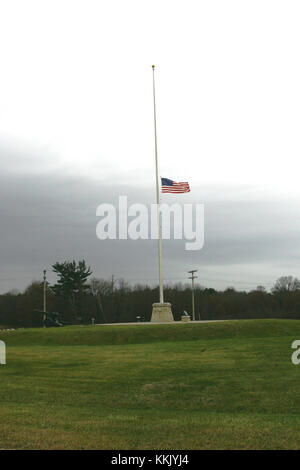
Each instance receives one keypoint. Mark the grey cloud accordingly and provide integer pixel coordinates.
(50, 216)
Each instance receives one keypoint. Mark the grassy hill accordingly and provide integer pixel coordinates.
(180, 386)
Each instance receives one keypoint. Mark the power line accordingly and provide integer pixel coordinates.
(204, 279)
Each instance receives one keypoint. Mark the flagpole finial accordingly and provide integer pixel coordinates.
(153, 66)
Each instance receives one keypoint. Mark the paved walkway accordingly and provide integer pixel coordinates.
(161, 323)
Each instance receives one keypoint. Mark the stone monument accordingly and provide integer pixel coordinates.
(161, 313)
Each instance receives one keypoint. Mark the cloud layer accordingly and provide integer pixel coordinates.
(251, 237)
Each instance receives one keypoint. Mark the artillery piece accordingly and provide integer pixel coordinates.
(51, 319)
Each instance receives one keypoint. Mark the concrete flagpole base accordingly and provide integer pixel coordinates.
(162, 313)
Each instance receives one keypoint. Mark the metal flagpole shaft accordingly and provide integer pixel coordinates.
(161, 291)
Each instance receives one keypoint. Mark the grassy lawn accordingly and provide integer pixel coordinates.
(224, 385)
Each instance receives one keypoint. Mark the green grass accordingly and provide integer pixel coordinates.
(224, 385)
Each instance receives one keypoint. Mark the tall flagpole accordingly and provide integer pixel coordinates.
(161, 290)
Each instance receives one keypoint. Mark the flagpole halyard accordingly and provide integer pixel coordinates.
(161, 290)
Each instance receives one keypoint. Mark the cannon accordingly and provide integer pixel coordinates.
(51, 319)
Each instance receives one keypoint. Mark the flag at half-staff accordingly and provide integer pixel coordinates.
(170, 186)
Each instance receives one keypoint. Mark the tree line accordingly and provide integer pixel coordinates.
(81, 298)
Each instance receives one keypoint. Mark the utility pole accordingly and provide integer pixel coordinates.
(44, 295)
(193, 290)
(112, 283)
(44, 290)
(112, 297)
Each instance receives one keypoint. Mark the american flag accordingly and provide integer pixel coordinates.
(169, 186)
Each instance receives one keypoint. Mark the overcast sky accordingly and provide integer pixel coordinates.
(76, 130)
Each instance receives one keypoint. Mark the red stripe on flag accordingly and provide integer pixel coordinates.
(176, 188)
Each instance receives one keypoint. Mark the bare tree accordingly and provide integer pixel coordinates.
(260, 288)
(100, 288)
(286, 284)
